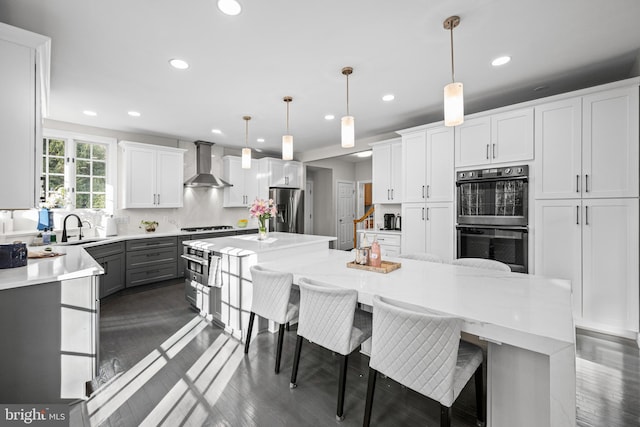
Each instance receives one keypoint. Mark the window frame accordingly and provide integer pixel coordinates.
(71, 139)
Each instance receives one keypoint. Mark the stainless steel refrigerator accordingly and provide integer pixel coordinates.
(290, 205)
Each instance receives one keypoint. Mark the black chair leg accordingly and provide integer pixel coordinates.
(288, 326)
(371, 388)
(445, 416)
(248, 339)
(296, 361)
(479, 397)
(279, 349)
(342, 382)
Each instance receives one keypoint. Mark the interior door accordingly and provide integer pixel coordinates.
(346, 213)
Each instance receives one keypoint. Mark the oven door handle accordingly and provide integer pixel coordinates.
(494, 227)
(196, 260)
(493, 179)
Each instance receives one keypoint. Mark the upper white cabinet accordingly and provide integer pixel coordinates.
(610, 143)
(24, 59)
(386, 167)
(588, 146)
(282, 173)
(498, 138)
(246, 183)
(428, 165)
(153, 176)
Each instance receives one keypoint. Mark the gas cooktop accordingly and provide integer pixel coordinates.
(208, 228)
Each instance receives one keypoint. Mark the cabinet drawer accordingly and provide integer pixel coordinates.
(153, 243)
(387, 240)
(106, 250)
(138, 259)
(389, 251)
(142, 276)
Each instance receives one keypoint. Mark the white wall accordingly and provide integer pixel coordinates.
(364, 171)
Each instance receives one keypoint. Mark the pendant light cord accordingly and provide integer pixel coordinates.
(246, 132)
(347, 94)
(287, 118)
(452, 66)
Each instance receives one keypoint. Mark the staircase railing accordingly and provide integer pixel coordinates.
(359, 220)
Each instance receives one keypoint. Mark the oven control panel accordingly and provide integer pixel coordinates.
(510, 172)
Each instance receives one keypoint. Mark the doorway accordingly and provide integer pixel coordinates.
(346, 213)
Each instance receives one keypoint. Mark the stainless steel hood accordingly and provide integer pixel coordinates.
(203, 176)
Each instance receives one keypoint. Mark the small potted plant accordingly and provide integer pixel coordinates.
(149, 226)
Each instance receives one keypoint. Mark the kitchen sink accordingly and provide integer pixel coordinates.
(81, 242)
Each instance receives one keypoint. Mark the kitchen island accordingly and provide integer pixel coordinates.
(49, 328)
(236, 255)
(526, 321)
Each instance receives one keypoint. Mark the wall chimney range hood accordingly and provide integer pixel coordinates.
(203, 176)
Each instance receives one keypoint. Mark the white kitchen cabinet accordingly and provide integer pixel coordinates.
(152, 177)
(428, 166)
(386, 165)
(595, 244)
(246, 184)
(498, 138)
(610, 156)
(24, 59)
(587, 147)
(428, 227)
(282, 173)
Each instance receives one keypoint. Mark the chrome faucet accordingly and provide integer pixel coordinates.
(64, 227)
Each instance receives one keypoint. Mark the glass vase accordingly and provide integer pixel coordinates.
(262, 232)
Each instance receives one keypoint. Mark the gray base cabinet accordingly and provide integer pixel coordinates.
(112, 259)
(151, 260)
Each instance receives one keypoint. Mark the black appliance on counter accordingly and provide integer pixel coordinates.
(392, 222)
(492, 217)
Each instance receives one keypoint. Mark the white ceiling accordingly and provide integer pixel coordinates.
(112, 57)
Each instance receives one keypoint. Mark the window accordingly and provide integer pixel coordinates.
(78, 170)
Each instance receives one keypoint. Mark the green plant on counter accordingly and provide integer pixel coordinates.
(148, 226)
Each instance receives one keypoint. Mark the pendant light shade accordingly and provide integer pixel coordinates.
(348, 133)
(453, 92)
(287, 140)
(246, 152)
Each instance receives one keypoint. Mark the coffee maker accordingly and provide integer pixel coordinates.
(389, 221)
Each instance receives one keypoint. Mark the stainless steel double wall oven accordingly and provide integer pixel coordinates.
(492, 217)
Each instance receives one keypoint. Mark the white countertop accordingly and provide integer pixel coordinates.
(248, 244)
(75, 263)
(526, 311)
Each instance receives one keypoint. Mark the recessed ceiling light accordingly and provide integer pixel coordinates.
(388, 97)
(89, 113)
(329, 117)
(134, 114)
(500, 61)
(216, 131)
(364, 154)
(229, 7)
(179, 64)
(259, 150)
(260, 139)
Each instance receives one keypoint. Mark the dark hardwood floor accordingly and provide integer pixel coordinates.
(162, 364)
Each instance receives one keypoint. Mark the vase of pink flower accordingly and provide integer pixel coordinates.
(263, 210)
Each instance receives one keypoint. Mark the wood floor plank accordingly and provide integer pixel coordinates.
(207, 380)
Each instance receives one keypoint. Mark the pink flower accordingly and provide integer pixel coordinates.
(262, 209)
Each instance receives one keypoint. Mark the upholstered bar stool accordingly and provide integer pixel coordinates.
(489, 264)
(422, 351)
(329, 318)
(422, 256)
(272, 300)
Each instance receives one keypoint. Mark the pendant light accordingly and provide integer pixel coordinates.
(453, 97)
(287, 140)
(246, 151)
(348, 130)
